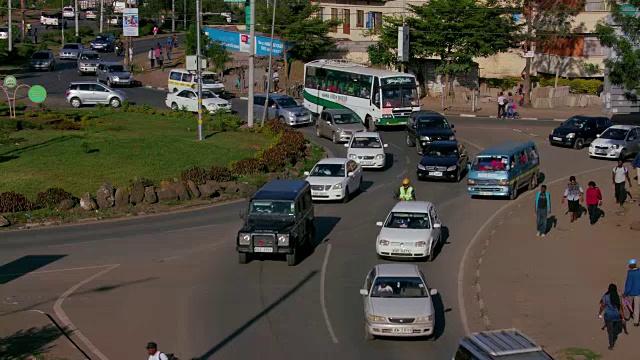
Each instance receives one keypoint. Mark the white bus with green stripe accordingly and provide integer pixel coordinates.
(379, 97)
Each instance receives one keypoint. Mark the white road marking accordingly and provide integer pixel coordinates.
(473, 144)
(408, 159)
(323, 303)
(64, 319)
(395, 146)
(402, 173)
(467, 251)
(59, 270)
(517, 130)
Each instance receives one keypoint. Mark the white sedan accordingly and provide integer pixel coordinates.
(367, 149)
(412, 230)
(188, 100)
(334, 179)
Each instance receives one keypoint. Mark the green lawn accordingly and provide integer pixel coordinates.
(115, 147)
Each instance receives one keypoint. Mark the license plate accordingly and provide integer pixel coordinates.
(485, 193)
(601, 152)
(435, 173)
(263, 249)
(401, 251)
(317, 193)
(367, 162)
(402, 330)
(557, 138)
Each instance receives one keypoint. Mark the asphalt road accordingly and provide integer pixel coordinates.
(175, 279)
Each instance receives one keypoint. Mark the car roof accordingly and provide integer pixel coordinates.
(506, 148)
(397, 270)
(83, 82)
(624, 127)
(363, 134)
(333, 161)
(412, 206)
(275, 96)
(426, 113)
(183, 70)
(445, 142)
(110, 63)
(280, 190)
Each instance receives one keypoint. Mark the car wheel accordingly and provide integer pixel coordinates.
(432, 253)
(623, 155)
(115, 102)
(109, 82)
(513, 193)
(334, 138)
(243, 258)
(579, 144)
(409, 141)
(175, 90)
(459, 175)
(347, 195)
(75, 102)
(174, 106)
(292, 259)
(533, 182)
(361, 185)
(318, 131)
(51, 68)
(370, 125)
(367, 335)
(281, 119)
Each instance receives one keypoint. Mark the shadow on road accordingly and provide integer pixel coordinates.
(444, 241)
(25, 265)
(24, 344)
(324, 227)
(254, 319)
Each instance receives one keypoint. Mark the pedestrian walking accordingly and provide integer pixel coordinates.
(620, 174)
(276, 80)
(636, 165)
(175, 41)
(35, 35)
(155, 31)
(167, 50)
(612, 311)
(594, 199)
(160, 60)
(521, 95)
(574, 195)
(501, 105)
(511, 103)
(152, 57)
(542, 210)
(632, 290)
(154, 354)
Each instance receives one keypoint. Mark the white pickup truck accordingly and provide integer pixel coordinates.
(51, 20)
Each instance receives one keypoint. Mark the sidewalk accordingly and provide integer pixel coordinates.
(491, 110)
(550, 287)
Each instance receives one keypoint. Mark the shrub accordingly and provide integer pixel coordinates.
(17, 125)
(292, 144)
(220, 173)
(275, 158)
(66, 125)
(222, 122)
(275, 127)
(196, 174)
(52, 197)
(85, 30)
(147, 30)
(576, 86)
(248, 166)
(115, 32)
(14, 202)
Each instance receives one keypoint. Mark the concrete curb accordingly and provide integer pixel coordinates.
(156, 88)
(495, 117)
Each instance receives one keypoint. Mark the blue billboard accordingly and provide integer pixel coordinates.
(239, 41)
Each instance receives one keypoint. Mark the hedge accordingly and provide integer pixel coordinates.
(576, 86)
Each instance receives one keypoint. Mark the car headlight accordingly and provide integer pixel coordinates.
(380, 156)
(291, 116)
(421, 167)
(212, 106)
(471, 182)
(571, 135)
(115, 78)
(283, 239)
(337, 186)
(421, 244)
(425, 138)
(452, 137)
(376, 318)
(352, 156)
(387, 116)
(383, 242)
(244, 239)
(615, 147)
(451, 168)
(503, 182)
(424, 319)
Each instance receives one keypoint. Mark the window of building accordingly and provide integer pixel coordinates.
(346, 21)
(592, 47)
(374, 20)
(597, 5)
(334, 16)
(359, 18)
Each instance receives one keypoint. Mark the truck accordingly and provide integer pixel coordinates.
(51, 19)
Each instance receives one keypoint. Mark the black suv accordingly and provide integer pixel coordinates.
(279, 220)
(426, 126)
(579, 131)
(443, 160)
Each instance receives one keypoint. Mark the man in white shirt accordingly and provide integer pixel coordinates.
(501, 104)
(574, 194)
(154, 354)
(620, 174)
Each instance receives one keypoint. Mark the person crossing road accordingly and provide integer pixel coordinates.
(406, 191)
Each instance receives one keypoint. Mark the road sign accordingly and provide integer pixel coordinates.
(37, 94)
(10, 81)
(628, 10)
(529, 54)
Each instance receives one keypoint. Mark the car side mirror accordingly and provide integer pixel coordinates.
(598, 135)
(351, 173)
(379, 223)
(346, 145)
(437, 226)
(364, 292)
(468, 167)
(386, 145)
(433, 292)
(306, 173)
(243, 214)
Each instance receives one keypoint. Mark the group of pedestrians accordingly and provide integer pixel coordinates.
(507, 105)
(156, 55)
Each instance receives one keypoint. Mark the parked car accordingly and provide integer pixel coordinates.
(68, 12)
(412, 230)
(397, 302)
(426, 126)
(282, 107)
(113, 73)
(88, 61)
(443, 160)
(334, 179)
(4, 32)
(92, 93)
(188, 100)
(103, 42)
(579, 131)
(508, 344)
(367, 149)
(90, 14)
(43, 60)
(70, 51)
(338, 124)
(617, 142)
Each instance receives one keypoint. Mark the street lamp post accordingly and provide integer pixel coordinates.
(273, 26)
(101, 14)
(199, 69)
(10, 36)
(252, 56)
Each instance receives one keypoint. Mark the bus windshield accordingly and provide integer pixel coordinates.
(394, 96)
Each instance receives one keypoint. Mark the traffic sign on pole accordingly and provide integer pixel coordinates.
(10, 81)
(37, 94)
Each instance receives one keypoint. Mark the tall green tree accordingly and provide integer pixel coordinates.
(455, 31)
(297, 23)
(622, 36)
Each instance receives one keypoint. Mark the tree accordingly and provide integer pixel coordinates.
(455, 31)
(296, 23)
(215, 53)
(621, 35)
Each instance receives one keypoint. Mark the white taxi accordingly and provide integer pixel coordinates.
(188, 100)
(412, 230)
(367, 149)
(334, 179)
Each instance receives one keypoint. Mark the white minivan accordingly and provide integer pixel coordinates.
(183, 79)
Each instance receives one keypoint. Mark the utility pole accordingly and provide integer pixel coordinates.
(75, 11)
(252, 57)
(101, 14)
(173, 15)
(404, 23)
(273, 27)
(527, 67)
(184, 21)
(24, 25)
(9, 35)
(199, 69)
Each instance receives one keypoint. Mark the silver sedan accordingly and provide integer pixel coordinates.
(338, 124)
(70, 51)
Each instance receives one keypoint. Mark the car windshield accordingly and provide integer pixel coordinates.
(71, 46)
(574, 123)
(89, 57)
(41, 55)
(351, 118)
(209, 79)
(399, 287)
(287, 102)
(270, 207)
(432, 122)
(366, 142)
(614, 134)
(102, 37)
(332, 170)
(405, 220)
(399, 96)
(490, 163)
(117, 68)
(441, 151)
(209, 95)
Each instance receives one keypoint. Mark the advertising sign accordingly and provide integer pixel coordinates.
(403, 43)
(130, 22)
(232, 40)
(245, 44)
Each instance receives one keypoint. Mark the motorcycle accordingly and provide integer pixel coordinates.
(118, 50)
